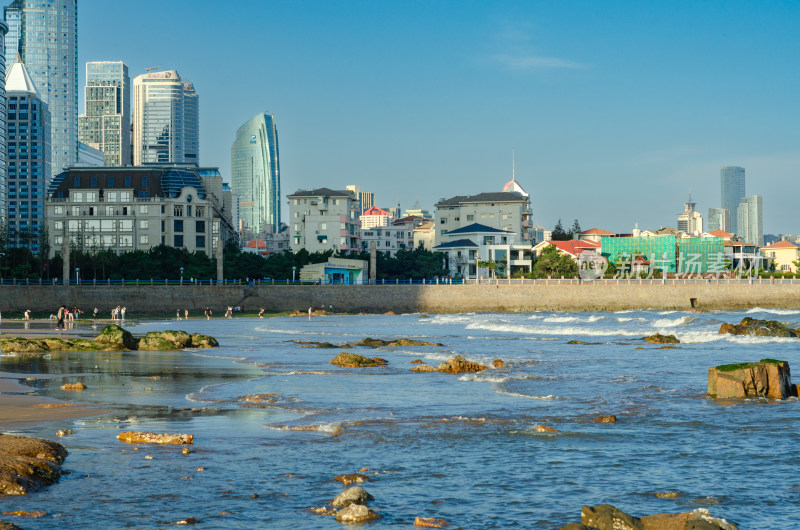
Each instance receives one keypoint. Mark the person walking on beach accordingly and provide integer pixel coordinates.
(208, 313)
(27, 314)
(60, 317)
(261, 313)
(122, 312)
(309, 312)
(186, 314)
(94, 313)
(178, 315)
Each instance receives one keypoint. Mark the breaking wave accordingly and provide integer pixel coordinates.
(774, 311)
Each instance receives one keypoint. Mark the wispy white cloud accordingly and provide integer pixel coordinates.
(527, 62)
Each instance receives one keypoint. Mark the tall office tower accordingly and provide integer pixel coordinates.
(44, 35)
(365, 198)
(690, 221)
(28, 158)
(732, 192)
(256, 173)
(191, 123)
(106, 122)
(718, 219)
(750, 219)
(3, 129)
(165, 119)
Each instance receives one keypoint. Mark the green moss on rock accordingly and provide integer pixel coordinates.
(113, 334)
(354, 360)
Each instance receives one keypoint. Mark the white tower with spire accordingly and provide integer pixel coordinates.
(690, 221)
(512, 186)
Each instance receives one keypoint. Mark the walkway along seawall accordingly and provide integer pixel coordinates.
(542, 295)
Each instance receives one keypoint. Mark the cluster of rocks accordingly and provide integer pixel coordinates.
(133, 437)
(658, 338)
(456, 365)
(354, 360)
(759, 328)
(28, 464)
(607, 517)
(369, 343)
(111, 338)
(767, 378)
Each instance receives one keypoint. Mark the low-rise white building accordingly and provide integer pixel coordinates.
(375, 217)
(397, 235)
(469, 245)
(324, 219)
(507, 211)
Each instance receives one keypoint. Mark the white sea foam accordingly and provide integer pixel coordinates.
(483, 378)
(452, 319)
(774, 311)
(541, 330)
(527, 396)
(595, 318)
(666, 312)
(624, 311)
(628, 319)
(560, 319)
(672, 322)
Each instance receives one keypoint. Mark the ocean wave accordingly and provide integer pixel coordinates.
(560, 319)
(672, 322)
(533, 330)
(452, 319)
(595, 318)
(695, 337)
(334, 429)
(628, 319)
(549, 397)
(774, 311)
(624, 311)
(666, 312)
(484, 378)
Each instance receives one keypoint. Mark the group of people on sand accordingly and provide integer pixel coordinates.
(118, 313)
(185, 314)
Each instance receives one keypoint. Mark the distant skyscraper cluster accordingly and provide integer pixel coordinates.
(106, 124)
(740, 214)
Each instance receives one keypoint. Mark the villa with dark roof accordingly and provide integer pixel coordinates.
(465, 247)
(140, 207)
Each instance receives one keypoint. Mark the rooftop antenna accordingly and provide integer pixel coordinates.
(151, 68)
(513, 156)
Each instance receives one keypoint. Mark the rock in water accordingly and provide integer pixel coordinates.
(203, 341)
(766, 378)
(79, 387)
(458, 364)
(28, 464)
(605, 419)
(658, 338)
(354, 495)
(133, 437)
(608, 517)
(759, 328)
(155, 341)
(354, 360)
(352, 478)
(113, 334)
(430, 522)
(356, 513)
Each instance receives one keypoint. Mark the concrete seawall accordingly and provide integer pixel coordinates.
(590, 296)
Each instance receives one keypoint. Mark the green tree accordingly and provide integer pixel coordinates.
(575, 230)
(554, 263)
(558, 233)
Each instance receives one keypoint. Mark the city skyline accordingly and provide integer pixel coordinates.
(631, 102)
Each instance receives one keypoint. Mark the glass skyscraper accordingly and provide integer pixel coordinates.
(28, 158)
(44, 35)
(3, 139)
(750, 219)
(732, 192)
(256, 174)
(166, 125)
(106, 122)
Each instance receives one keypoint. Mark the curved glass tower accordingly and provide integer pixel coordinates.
(256, 174)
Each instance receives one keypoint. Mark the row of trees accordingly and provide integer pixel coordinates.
(559, 234)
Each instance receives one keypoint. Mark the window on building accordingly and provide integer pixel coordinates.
(58, 210)
(199, 226)
(443, 220)
(188, 210)
(178, 210)
(76, 211)
(323, 226)
(59, 225)
(177, 226)
(144, 240)
(199, 211)
(178, 241)
(109, 210)
(200, 241)
(94, 182)
(127, 181)
(470, 217)
(145, 181)
(111, 196)
(143, 209)
(144, 224)
(110, 181)
(76, 182)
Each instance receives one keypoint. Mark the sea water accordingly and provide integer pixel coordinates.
(459, 447)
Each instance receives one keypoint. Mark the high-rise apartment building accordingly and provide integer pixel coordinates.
(750, 219)
(106, 121)
(324, 219)
(732, 192)
(28, 158)
(3, 139)
(718, 219)
(256, 174)
(366, 199)
(166, 126)
(690, 221)
(44, 35)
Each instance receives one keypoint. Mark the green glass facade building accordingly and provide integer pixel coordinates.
(666, 253)
(106, 123)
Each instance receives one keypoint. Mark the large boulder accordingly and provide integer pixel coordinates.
(133, 437)
(155, 341)
(767, 378)
(354, 495)
(113, 334)
(378, 343)
(356, 513)
(20, 345)
(608, 517)
(203, 341)
(179, 338)
(458, 364)
(28, 464)
(759, 328)
(354, 360)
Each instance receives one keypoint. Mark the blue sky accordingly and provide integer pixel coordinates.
(615, 109)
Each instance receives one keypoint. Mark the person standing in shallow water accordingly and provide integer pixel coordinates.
(178, 315)
(261, 313)
(309, 312)
(208, 313)
(186, 314)
(60, 317)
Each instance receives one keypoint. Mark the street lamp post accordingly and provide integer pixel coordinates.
(293, 271)
(181, 275)
(77, 277)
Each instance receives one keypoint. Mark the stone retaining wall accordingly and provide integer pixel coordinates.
(591, 296)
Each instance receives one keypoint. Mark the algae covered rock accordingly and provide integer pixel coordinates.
(658, 338)
(759, 328)
(607, 516)
(28, 464)
(203, 341)
(768, 378)
(378, 343)
(20, 345)
(458, 365)
(113, 334)
(154, 341)
(133, 437)
(179, 338)
(354, 360)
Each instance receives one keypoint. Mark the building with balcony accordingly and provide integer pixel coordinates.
(324, 219)
(690, 221)
(374, 217)
(467, 246)
(137, 208)
(506, 211)
(783, 255)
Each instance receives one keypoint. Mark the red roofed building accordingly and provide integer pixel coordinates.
(375, 217)
(594, 234)
(784, 255)
(719, 233)
(573, 248)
